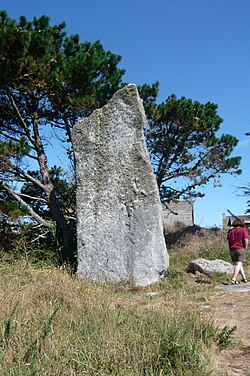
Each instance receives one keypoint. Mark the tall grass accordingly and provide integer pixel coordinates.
(53, 324)
(191, 243)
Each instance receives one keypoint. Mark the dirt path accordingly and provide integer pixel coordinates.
(232, 308)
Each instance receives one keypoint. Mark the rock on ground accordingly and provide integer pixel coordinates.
(210, 266)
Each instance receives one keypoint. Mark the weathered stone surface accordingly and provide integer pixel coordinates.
(210, 266)
(120, 231)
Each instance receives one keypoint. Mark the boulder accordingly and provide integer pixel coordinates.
(210, 266)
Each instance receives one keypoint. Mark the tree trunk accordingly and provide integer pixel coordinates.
(65, 232)
(65, 236)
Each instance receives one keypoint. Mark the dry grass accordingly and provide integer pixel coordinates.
(54, 324)
(195, 242)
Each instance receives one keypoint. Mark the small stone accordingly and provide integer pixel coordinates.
(152, 293)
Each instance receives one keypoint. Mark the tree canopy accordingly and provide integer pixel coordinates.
(184, 148)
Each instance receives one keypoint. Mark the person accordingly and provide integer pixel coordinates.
(238, 241)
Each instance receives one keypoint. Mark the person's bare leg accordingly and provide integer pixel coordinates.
(242, 272)
(237, 268)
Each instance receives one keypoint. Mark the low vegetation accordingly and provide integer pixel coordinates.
(54, 324)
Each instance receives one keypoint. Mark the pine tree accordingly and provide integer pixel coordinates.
(185, 151)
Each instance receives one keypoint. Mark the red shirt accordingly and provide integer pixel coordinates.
(236, 238)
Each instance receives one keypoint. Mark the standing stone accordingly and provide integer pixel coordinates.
(119, 215)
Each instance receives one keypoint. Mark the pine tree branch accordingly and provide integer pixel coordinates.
(29, 177)
(17, 140)
(9, 137)
(33, 198)
(22, 202)
(233, 215)
(40, 236)
(13, 130)
(24, 125)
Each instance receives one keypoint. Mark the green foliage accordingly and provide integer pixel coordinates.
(225, 337)
(52, 75)
(11, 229)
(181, 343)
(210, 251)
(27, 241)
(149, 94)
(9, 208)
(184, 148)
(176, 277)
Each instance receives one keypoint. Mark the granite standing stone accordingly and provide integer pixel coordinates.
(119, 215)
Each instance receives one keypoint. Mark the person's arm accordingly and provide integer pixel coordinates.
(246, 242)
(245, 238)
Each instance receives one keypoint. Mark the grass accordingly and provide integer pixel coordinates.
(54, 324)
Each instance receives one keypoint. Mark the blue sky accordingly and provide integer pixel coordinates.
(195, 48)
